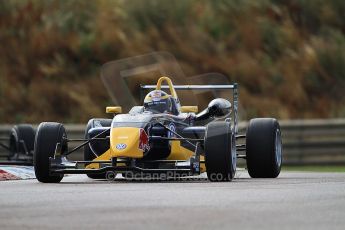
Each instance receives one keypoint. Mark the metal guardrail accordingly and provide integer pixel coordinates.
(319, 142)
(305, 142)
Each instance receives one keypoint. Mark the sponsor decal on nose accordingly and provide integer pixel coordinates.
(144, 141)
(121, 146)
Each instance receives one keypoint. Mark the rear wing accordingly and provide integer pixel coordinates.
(233, 88)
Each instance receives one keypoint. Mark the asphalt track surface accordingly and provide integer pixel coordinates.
(295, 200)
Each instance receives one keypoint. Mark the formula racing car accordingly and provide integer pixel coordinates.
(163, 138)
(18, 146)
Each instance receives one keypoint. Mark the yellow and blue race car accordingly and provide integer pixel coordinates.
(18, 145)
(163, 138)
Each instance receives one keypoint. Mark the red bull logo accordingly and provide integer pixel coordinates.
(144, 141)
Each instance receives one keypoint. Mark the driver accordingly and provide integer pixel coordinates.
(158, 101)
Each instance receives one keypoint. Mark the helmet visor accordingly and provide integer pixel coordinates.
(161, 106)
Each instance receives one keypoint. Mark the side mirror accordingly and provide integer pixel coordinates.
(219, 107)
(113, 109)
(216, 108)
(189, 109)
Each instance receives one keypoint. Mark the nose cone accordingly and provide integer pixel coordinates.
(125, 142)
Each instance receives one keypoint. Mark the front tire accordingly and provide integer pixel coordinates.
(264, 148)
(220, 151)
(47, 137)
(22, 134)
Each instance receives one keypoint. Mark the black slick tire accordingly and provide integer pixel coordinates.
(220, 151)
(47, 137)
(22, 134)
(263, 148)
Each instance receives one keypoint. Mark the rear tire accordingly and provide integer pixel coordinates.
(48, 135)
(19, 133)
(263, 148)
(88, 154)
(220, 151)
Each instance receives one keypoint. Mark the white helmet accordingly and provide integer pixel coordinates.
(158, 101)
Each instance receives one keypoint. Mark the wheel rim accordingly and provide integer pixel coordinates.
(278, 148)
